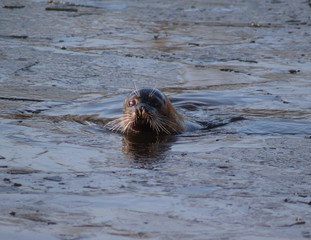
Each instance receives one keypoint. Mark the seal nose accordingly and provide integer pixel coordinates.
(139, 112)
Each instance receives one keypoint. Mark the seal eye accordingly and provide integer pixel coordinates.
(132, 103)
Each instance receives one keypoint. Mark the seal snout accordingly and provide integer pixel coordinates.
(140, 112)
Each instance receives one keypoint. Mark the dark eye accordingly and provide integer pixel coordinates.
(132, 102)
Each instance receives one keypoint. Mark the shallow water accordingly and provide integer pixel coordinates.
(239, 70)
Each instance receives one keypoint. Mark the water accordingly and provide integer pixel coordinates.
(222, 115)
(242, 72)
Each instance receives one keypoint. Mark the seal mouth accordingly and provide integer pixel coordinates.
(142, 118)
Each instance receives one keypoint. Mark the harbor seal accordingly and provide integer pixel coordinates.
(149, 110)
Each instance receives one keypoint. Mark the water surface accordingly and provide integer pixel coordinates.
(239, 70)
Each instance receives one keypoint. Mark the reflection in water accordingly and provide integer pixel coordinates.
(147, 148)
(208, 125)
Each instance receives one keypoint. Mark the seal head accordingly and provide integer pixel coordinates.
(148, 110)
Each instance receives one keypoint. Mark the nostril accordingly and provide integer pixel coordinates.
(139, 112)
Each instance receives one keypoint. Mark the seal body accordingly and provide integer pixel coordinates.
(149, 110)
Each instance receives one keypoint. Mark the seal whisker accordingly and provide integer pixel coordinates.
(152, 92)
(127, 127)
(159, 126)
(173, 125)
(127, 123)
(153, 122)
(117, 127)
(135, 86)
(118, 124)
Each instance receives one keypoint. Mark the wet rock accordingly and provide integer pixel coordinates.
(12, 213)
(194, 44)
(19, 36)
(13, 6)
(7, 180)
(229, 70)
(61, 9)
(293, 71)
(53, 178)
(22, 171)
